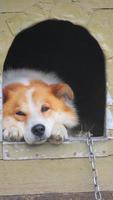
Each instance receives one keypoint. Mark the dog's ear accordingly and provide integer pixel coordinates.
(9, 90)
(62, 90)
(5, 93)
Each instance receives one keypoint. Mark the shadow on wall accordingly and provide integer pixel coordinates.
(69, 50)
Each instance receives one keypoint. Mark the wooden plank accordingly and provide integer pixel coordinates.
(23, 151)
(53, 176)
(57, 196)
(0, 107)
(1, 150)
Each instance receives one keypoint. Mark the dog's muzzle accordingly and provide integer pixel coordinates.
(35, 134)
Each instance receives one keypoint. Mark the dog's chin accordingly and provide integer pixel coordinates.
(31, 139)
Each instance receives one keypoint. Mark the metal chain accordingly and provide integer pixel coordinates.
(98, 195)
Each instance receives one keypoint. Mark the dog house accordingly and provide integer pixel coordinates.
(96, 17)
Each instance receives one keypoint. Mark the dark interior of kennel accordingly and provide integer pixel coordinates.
(71, 51)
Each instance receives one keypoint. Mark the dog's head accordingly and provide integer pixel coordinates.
(39, 107)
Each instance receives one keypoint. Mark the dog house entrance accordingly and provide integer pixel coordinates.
(74, 55)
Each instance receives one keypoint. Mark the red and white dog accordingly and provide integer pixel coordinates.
(33, 103)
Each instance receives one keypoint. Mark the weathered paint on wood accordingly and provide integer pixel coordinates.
(16, 15)
(1, 149)
(53, 176)
(22, 151)
(65, 175)
(61, 196)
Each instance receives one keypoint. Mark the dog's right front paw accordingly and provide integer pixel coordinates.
(12, 130)
(12, 134)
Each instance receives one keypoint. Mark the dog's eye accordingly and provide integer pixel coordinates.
(44, 108)
(20, 113)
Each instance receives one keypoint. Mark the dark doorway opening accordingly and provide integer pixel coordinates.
(71, 51)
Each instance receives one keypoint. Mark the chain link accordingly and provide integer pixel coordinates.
(98, 195)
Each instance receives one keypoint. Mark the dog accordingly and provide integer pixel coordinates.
(34, 102)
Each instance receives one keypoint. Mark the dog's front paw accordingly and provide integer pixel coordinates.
(12, 134)
(56, 139)
(58, 135)
(12, 130)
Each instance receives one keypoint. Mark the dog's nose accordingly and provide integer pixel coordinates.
(38, 130)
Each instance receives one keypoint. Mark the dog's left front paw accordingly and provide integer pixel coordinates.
(58, 135)
(56, 139)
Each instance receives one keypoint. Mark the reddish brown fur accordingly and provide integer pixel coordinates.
(52, 96)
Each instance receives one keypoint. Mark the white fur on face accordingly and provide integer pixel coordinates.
(35, 118)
